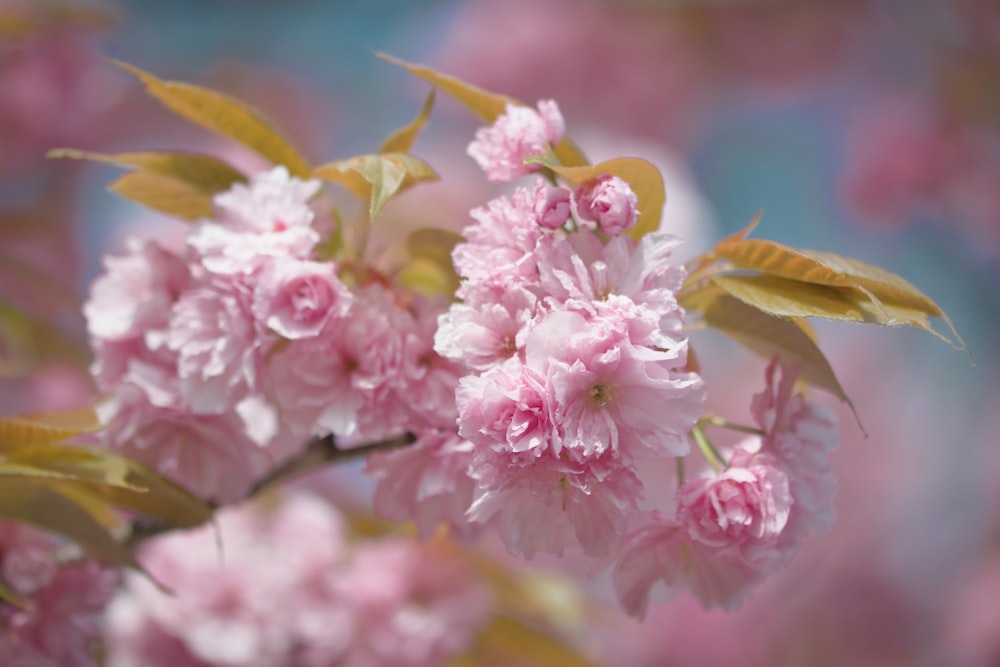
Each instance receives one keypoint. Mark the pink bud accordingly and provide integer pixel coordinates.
(609, 201)
(551, 205)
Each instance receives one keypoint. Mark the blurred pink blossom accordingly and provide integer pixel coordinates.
(385, 602)
(519, 133)
(59, 624)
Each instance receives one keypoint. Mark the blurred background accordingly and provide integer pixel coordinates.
(866, 128)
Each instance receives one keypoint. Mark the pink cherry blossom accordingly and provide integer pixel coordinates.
(211, 455)
(504, 409)
(500, 248)
(272, 201)
(298, 298)
(344, 380)
(552, 205)
(486, 328)
(269, 217)
(386, 602)
(129, 310)
(426, 381)
(59, 624)
(800, 435)
(609, 201)
(427, 482)
(519, 133)
(604, 393)
(580, 273)
(136, 291)
(743, 508)
(539, 502)
(218, 344)
(415, 606)
(221, 612)
(658, 550)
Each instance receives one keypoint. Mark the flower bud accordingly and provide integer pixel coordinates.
(610, 202)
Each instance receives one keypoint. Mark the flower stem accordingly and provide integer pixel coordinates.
(711, 454)
(724, 423)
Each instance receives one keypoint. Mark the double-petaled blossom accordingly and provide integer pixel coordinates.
(356, 604)
(800, 435)
(553, 205)
(519, 133)
(58, 621)
(609, 201)
(659, 550)
(733, 528)
(575, 360)
(743, 509)
(427, 482)
(297, 298)
(184, 337)
(270, 216)
(499, 250)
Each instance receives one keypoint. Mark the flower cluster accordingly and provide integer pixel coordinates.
(376, 602)
(219, 356)
(57, 623)
(538, 399)
(745, 521)
(570, 334)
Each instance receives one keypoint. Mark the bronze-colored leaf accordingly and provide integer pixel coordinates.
(483, 103)
(903, 302)
(794, 298)
(33, 501)
(508, 641)
(205, 173)
(768, 335)
(429, 269)
(779, 260)
(164, 194)
(377, 178)
(107, 477)
(19, 432)
(401, 141)
(224, 115)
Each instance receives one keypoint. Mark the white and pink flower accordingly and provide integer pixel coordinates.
(609, 201)
(297, 298)
(519, 133)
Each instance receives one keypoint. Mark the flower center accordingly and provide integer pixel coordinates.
(601, 394)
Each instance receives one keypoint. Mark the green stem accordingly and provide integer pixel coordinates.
(711, 454)
(724, 423)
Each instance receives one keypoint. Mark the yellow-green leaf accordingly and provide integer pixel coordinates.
(842, 288)
(903, 302)
(644, 178)
(225, 115)
(19, 432)
(434, 244)
(780, 260)
(164, 194)
(481, 102)
(206, 173)
(767, 335)
(110, 478)
(401, 141)
(488, 106)
(32, 501)
(429, 269)
(509, 641)
(377, 178)
(794, 298)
